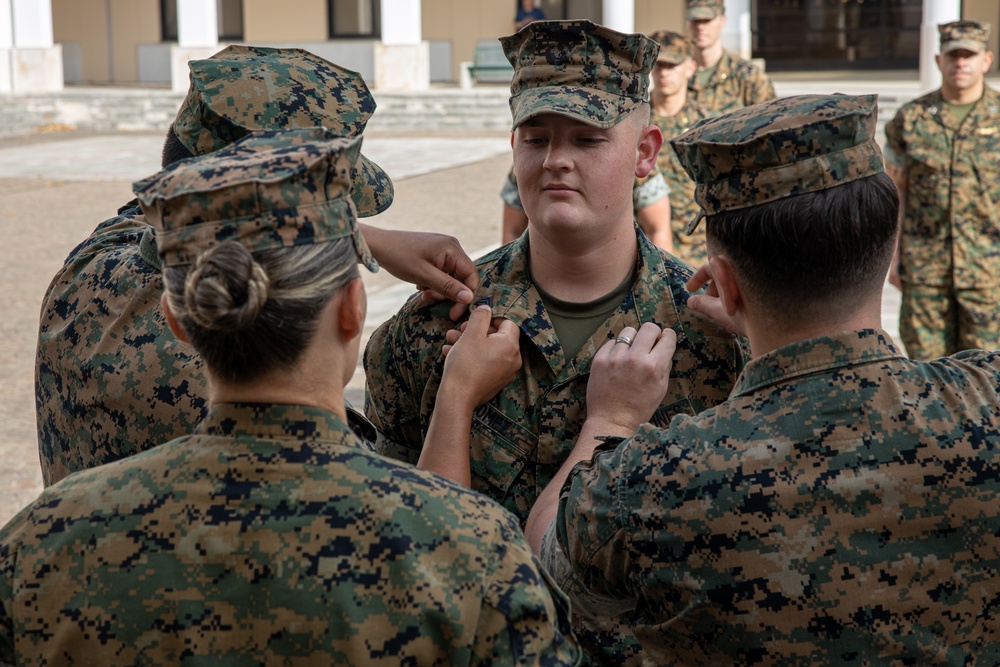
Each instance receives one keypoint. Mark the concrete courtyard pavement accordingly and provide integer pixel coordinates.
(54, 189)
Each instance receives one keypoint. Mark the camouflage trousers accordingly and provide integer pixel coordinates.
(940, 321)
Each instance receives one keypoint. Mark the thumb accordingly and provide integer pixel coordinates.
(479, 322)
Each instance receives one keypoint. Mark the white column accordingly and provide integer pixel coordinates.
(402, 58)
(29, 60)
(618, 15)
(197, 38)
(736, 35)
(935, 12)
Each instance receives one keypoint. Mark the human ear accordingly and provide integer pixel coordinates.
(351, 309)
(650, 141)
(172, 322)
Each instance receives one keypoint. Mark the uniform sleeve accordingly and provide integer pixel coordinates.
(649, 189)
(525, 617)
(402, 370)
(509, 193)
(895, 145)
(591, 533)
(760, 88)
(10, 538)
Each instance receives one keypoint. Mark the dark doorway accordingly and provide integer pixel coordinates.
(837, 34)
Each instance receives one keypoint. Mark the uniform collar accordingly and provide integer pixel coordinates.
(266, 421)
(816, 355)
(507, 287)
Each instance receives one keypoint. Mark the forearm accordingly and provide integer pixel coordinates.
(446, 447)
(546, 507)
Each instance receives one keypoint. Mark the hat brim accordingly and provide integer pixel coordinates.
(702, 14)
(671, 58)
(968, 44)
(587, 105)
(372, 189)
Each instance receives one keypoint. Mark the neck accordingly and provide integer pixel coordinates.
(668, 105)
(579, 275)
(769, 336)
(964, 95)
(710, 55)
(314, 381)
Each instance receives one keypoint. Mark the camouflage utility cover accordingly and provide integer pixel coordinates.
(950, 234)
(675, 48)
(523, 435)
(969, 35)
(734, 83)
(578, 69)
(780, 149)
(268, 190)
(271, 536)
(242, 89)
(840, 509)
(704, 10)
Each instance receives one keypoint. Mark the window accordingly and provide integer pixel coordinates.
(230, 16)
(354, 18)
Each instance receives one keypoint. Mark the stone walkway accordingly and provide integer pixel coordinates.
(55, 189)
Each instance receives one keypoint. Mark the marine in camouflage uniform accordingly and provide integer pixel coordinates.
(676, 55)
(840, 508)
(521, 437)
(110, 379)
(734, 82)
(943, 157)
(271, 535)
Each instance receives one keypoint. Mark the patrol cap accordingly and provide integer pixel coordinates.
(244, 89)
(675, 48)
(969, 35)
(782, 148)
(271, 189)
(578, 69)
(705, 10)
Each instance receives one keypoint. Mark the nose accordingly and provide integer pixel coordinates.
(557, 158)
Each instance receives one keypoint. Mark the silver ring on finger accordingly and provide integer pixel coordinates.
(623, 339)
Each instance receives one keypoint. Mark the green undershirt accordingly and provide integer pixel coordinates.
(960, 111)
(575, 323)
(704, 74)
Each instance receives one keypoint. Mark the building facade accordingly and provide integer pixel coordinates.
(409, 44)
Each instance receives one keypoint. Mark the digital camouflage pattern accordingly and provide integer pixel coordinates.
(704, 10)
(840, 509)
(969, 35)
(735, 83)
(675, 48)
(268, 190)
(272, 536)
(780, 149)
(242, 89)
(522, 436)
(578, 69)
(683, 207)
(950, 232)
(110, 378)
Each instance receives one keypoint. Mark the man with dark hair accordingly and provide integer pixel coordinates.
(723, 82)
(942, 154)
(581, 135)
(110, 378)
(840, 507)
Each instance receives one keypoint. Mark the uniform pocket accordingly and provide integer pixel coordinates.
(500, 449)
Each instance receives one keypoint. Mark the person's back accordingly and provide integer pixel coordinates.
(243, 544)
(271, 535)
(840, 507)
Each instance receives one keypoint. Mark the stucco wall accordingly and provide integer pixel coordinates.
(286, 21)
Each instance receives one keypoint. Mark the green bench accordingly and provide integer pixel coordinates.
(489, 64)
